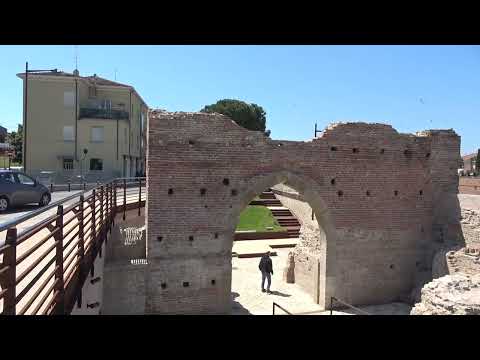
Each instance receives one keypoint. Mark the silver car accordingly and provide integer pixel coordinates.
(17, 188)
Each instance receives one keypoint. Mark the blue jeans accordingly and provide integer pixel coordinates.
(269, 279)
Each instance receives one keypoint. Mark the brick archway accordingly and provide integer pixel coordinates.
(312, 194)
(377, 194)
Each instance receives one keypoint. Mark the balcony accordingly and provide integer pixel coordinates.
(93, 113)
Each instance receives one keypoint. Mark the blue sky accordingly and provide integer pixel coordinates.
(296, 85)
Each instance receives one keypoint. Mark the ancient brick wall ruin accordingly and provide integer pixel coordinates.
(307, 254)
(378, 195)
(468, 185)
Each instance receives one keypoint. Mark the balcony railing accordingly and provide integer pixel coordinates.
(93, 113)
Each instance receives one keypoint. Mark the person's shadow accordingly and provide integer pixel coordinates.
(237, 308)
(278, 293)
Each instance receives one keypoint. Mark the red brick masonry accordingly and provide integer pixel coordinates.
(381, 198)
(469, 185)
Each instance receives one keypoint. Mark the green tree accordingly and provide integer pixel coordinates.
(15, 138)
(477, 163)
(249, 116)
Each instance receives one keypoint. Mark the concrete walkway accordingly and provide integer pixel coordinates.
(248, 299)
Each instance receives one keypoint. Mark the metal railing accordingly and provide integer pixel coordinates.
(280, 307)
(334, 299)
(103, 113)
(44, 263)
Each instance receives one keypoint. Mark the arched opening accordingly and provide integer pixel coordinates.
(313, 255)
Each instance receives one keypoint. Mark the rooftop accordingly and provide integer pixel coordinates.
(469, 156)
(94, 80)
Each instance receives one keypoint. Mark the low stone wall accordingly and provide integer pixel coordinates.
(457, 294)
(469, 185)
(470, 225)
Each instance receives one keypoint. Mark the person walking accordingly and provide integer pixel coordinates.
(266, 267)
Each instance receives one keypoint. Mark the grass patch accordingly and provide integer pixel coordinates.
(258, 218)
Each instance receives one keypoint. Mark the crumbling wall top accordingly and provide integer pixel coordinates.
(353, 129)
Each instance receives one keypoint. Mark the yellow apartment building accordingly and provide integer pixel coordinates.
(82, 127)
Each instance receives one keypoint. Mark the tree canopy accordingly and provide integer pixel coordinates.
(249, 116)
(15, 138)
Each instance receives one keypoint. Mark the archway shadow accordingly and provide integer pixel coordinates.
(237, 308)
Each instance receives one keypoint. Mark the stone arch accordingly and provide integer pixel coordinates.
(312, 195)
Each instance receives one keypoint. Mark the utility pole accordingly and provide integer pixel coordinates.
(24, 135)
(24, 150)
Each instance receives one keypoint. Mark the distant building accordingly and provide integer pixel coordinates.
(67, 113)
(469, 163)
(3, 134)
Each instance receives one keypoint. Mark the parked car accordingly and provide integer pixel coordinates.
(17, 188)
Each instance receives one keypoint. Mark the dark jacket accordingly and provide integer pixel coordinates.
(266, 264)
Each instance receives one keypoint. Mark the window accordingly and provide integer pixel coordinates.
(67, 164)
(25, 180)
(7, 177)
(68, 98)
(92, 92)
(68, 133)
(96, 164)
(96, 134)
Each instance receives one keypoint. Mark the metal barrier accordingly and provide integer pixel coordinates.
(332, 299)
(50, 281)
(276, 305)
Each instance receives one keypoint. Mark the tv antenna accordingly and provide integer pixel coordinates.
(76, 56)
(316, 131)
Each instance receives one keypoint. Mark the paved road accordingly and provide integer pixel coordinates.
(17, 212)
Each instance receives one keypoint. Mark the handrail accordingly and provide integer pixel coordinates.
(14, 222)
(73, 248)
(275, 304)
(332, 299)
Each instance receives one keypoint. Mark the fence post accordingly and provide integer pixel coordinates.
(81, 247)
(107, 211)
(273, 310)
(114, 200)
(10, 277)
(51, 187)
(124, 198)
(331, 305)
(102, 224)
(59, 286)
(84, 186)
(139, 195)
(69, 186)
(94, 226)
